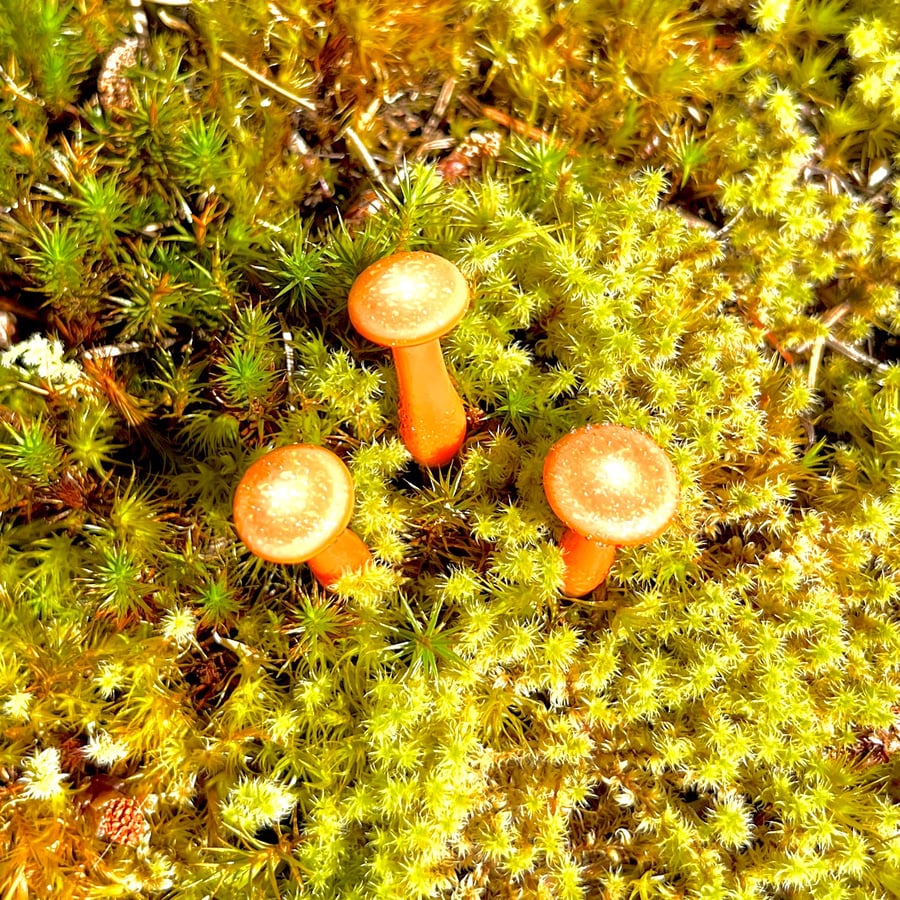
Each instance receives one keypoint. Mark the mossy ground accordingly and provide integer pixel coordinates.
(680, 217)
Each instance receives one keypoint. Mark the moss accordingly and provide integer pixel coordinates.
(687, 226)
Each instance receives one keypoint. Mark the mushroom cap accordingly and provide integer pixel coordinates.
(293, 502)
(611, 484)
(408, 298)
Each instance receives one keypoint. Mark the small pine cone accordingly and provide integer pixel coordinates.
(460, 163)
(122, 822)
(113, 87)
(481, 145)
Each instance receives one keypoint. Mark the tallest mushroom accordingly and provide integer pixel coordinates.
(408, 301)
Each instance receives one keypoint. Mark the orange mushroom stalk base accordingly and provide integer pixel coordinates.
(587, 563)
(347, 554)
(432, 416)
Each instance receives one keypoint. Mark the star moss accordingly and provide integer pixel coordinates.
(674, 217)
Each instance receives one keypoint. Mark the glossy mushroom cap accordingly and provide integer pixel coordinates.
(611, 484)
(407, 298)
(292, 503)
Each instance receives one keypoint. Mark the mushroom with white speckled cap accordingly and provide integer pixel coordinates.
(408, 301)
(611, 486)
(293, 505)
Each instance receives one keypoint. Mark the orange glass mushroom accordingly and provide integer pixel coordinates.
(293, 505)
(408, 301)
(611, 486)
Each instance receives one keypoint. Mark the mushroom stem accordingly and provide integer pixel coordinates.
(587, 563)
(347, 554)
(432, 416)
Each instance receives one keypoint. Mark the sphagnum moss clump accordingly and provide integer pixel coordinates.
(673, 218)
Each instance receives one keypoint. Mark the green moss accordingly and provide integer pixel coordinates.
(689, 228)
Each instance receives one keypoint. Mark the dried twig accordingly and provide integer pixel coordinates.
(365, 157)
(108, 351)
(517, 125)
(440, 107)
(266, 82)
(831, 317)
(858, 356)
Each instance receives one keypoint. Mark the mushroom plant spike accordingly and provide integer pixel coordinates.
(611, 486)
(407, 301)
(293, 505)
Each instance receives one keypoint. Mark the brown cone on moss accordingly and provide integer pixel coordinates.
(611, 486)
(113, 84)
(119, 818)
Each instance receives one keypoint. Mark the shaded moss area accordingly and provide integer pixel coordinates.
(676, 217)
